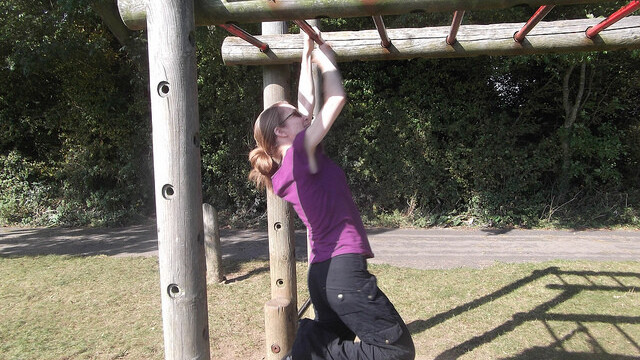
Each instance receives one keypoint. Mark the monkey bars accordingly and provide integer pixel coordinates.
(472, 40)
(213, 12)
(174, 107)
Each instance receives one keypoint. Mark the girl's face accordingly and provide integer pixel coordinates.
(294, 122)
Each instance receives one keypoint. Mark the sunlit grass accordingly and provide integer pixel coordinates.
(60, 307)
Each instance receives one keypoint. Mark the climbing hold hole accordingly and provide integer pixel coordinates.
(279, 283)
(196, 140)
(168, 191)
(277, 226)
(173, 290)
(163, 89)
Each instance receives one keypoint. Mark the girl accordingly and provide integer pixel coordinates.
(288, 158)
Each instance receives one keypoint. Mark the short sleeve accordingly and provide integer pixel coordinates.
(300, 158)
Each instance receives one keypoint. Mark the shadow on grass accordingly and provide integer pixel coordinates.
(248, 275)
(542, 313)
(134, 240)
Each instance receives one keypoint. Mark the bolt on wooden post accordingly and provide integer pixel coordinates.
(178, 183)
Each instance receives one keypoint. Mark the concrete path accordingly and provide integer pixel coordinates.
(416, 248)
(450, 248)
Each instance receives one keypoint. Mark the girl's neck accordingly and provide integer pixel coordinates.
(282, 149)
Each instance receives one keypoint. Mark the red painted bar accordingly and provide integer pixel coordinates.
(613, 18)
(304, 26)
(455, 25)
(237, 31)
(386, 42)
(533, 21)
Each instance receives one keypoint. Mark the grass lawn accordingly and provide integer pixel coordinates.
(61, 307)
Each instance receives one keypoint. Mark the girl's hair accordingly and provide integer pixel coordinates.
(263, 165)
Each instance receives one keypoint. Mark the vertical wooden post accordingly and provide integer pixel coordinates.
(281, 310)
(213, 251)
(176, 157)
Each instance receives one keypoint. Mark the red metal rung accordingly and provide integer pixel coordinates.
(613, 18)
(304, 26)
(386, 42)
(235, 30)
(533, 21)
(455, 25)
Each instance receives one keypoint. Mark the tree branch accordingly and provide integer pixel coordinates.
(581, 85)
(565, 95)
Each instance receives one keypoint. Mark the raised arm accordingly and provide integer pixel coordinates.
(333, 100)
(306, 98)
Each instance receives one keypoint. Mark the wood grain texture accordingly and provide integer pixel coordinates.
(212, 12)
(213, 249)
(280, 329)
(178, 187)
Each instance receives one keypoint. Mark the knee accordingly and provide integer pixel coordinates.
(301, 345)
(403, 349)
(311, 341)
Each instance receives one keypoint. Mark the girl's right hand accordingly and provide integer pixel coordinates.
(307, 47)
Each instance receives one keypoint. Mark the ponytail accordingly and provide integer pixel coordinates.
(263, 165)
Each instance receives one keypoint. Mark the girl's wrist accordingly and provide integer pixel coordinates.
(327, 66)
(331, 74)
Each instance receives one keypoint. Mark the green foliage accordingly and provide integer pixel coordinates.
(424, 142)
(23, 197)
(230, 100)
(452, 146)
(73, 102)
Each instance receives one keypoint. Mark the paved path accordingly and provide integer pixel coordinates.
(450, 248)
(422, 249)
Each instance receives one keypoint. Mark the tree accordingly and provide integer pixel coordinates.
(571, 111)
(73, 105)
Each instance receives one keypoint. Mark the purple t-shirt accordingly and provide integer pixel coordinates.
(323, 202)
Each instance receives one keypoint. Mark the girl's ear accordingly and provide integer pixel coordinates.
(279, 131)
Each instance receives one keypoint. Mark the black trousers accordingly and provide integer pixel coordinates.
(348, 303)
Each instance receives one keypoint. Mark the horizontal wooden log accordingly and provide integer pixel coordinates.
(473, 40)
(212, 12)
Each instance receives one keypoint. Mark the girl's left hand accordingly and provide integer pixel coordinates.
(308, 44)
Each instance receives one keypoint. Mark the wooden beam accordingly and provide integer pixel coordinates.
(213, 12)
(280, 319)
(178, 182)
(473, 40)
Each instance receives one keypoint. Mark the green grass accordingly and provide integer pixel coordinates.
(60, 307)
